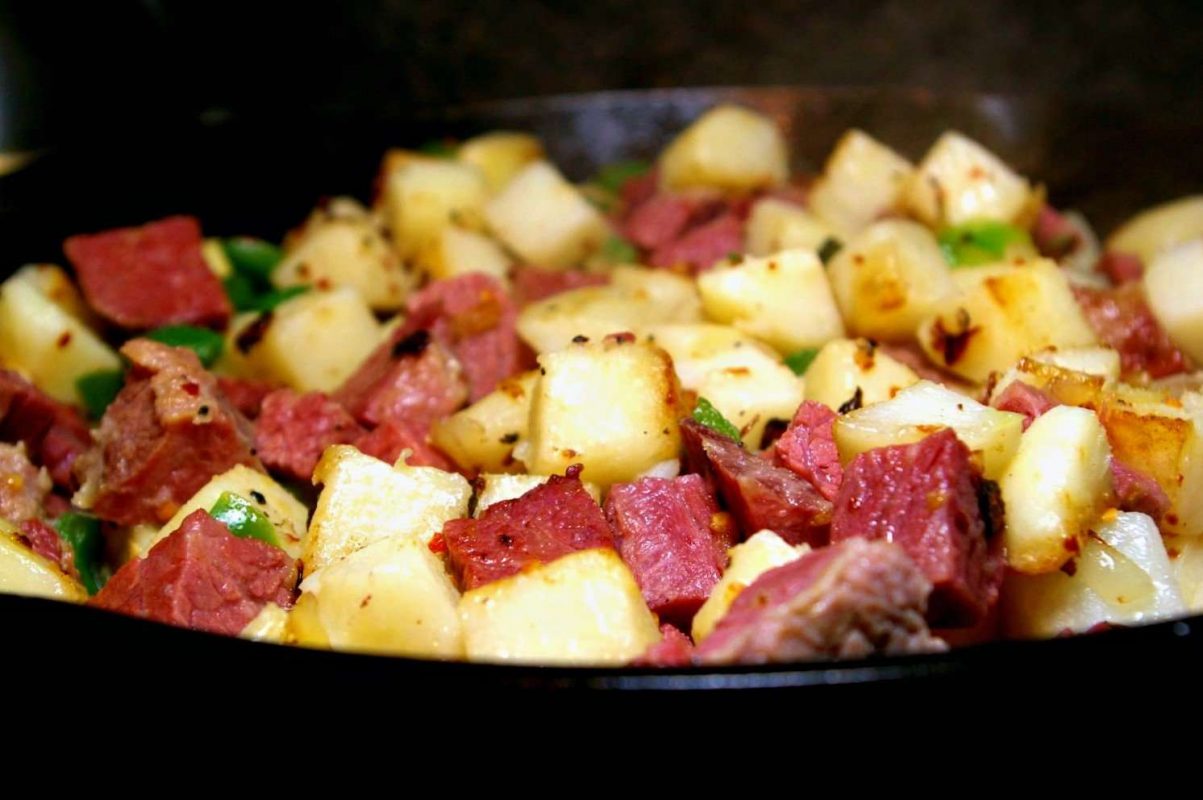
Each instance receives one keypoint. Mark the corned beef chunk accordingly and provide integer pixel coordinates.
(532, 284)
(675, 649)
(664, 531)
(409, 378)
(1121, 268)
(392, 437)
(245, 394)
(294, 430)
(146, 277)
(202, 577)
(45, 541)
(474, 319)
(663, 218)
(1121, 319)
(54, 434)
(1025, 399)
(699, 248)
(23, 487)
(551, 520)
(808, 448)
(168, 432)
(850, 600)
(927, 497)
(757, 493)
(1054, 235)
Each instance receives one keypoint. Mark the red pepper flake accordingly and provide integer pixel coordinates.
(63, 340)
(437, 544)
(191, 388)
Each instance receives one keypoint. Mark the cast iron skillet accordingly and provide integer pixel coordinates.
(262, 176)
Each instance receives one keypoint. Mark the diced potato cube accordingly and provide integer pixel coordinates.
(1186, 561)
(612, 406)
(960, 181)
(315, 341)
(216, 259)
(761, 552)
(742, 378)
(1069, 386)
(1160, 228)
(888, 278)
(498, 488)
(844, 366)
(365, 500)
(424, 196)
(862, 181)
(583, 608)
(481, 437)
(1123, 576)
(729, 148)
(545, 219)
(24, 572)
(1057, 484)
(458, 251)
(776, 225)
(1003, 313)
(288, 514)
(41, 340)
(784, 300)
(1101, 361)
(53, 283)
(347, 252)
(634, 299)
(392, 596)
(269, 625)
(499, 155)
(1173, 285)
(233, 360)
(920, 410)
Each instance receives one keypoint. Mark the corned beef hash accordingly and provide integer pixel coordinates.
(700, 411)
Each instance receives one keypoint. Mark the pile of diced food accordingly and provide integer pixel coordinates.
(701, 411)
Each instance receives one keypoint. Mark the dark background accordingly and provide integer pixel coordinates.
(86, 71)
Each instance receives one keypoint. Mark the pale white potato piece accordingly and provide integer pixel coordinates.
(500, 155)
(960, 181)
(1160, 228)
(742, 378)
(545, 219)
(763, 551)
(459, 251)
(888, 278)
(922, 409)
(393, 596)
(728, 148)
(46, 343)
(1186, 560)
(481, 437)
(269, 625)
(612, 406)
(287, 514)
(777, 225)
(1003, 313)
(1064, 384)
(584, 608)
(1173, 284)
(845, 365)
(861, 181)
(24, 572)
(315, 341)
(365, 500)
(492, 489)
(343, 251)
(634, 299)
(53, 283)
(1055, 487)
(216, 259)
(784, 300)
(423, 196)
(1123, 576)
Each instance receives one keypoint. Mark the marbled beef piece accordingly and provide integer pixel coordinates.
(664, 530)
(410, 378)
(1054, 235)
(45, 541)
(851, 600)
(757, 493)
(699, 248)
(202, 577)
(54, 434)
(928, 497)
(1023, 398)
(674, 649)
(664, 217)
(23, 487)
(387, 441)
(551, 520)
(1121, 268)
(293, 430)
(165, 435)
(149, 276)
(1121, 318)
(474, 318)
(532, 284)
(808, 448)
(245, 394)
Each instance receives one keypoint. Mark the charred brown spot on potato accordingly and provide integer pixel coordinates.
(952, 344)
